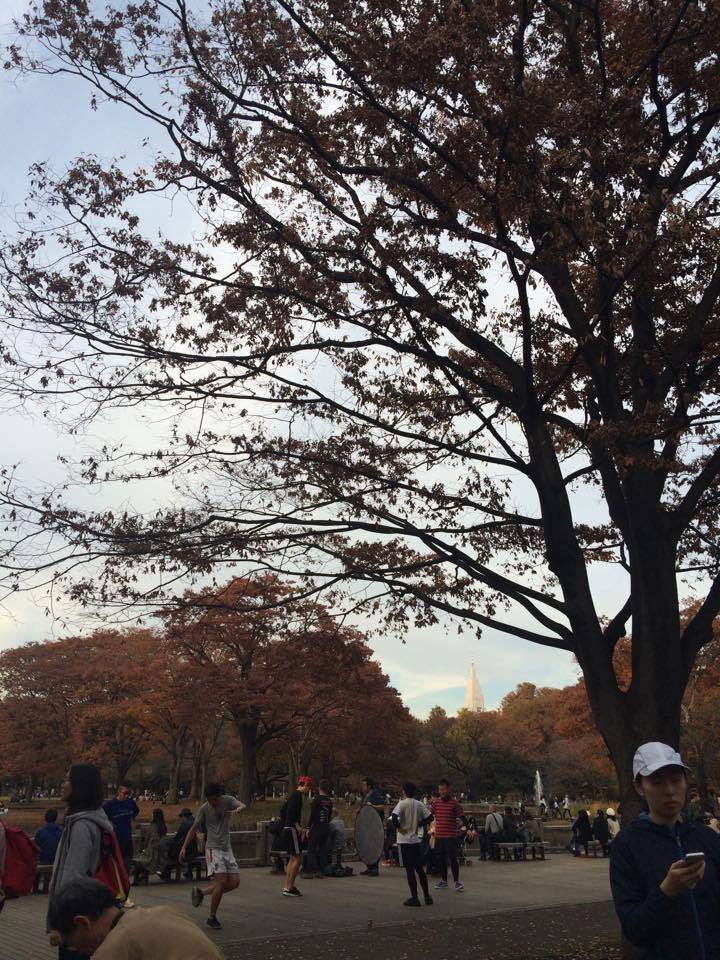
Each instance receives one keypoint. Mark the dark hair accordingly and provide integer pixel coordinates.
(601, 814)
(324, 786)
(583, 815)
(51, 815)
(214, 790)
(185, 812)
(86, 788)
(158, 818)
(84, 898)
(126, 784)
(409, 789)
(508, 811)
(369, 781)
(443, 782)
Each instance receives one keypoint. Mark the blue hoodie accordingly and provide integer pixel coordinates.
(640, 858)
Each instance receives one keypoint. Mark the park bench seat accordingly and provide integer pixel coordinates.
(42, 877)
(518, 851)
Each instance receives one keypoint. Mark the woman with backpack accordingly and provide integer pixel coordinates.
(80, 848)
(582, 832)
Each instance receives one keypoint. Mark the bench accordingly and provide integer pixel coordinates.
(197, 867)
(518, 851)
(42, 877)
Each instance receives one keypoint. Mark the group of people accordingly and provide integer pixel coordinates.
(604, 827)
(664, 866)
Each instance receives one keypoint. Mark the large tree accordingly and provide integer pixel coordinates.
(450, 311)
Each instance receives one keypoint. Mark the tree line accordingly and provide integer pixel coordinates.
(238, 686)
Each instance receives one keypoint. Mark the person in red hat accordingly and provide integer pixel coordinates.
(292, 830)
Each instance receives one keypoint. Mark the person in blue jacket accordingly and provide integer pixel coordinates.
(666, 904)
(48, 837)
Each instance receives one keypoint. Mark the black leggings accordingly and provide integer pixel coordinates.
(446, 848)
(411, 857)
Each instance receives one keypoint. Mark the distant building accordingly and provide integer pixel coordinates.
(474, 699)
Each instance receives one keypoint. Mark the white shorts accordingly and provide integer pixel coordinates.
(220, 861)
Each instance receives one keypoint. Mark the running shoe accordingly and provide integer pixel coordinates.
(458, 887)
(429, 901)
(294, 892)
(411, 902)
(441, 885)
(197, 896)
(214, 923)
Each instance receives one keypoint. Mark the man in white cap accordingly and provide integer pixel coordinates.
(665, 869)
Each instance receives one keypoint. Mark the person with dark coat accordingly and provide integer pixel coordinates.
(582, 832)
(667, 898)
(48, 837)
(601, 832)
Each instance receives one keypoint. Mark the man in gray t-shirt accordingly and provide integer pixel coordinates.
(213, 819)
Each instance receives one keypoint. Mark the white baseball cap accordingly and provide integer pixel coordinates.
(654, 756)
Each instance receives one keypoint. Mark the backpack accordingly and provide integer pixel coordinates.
(111, 869)
(21, 853)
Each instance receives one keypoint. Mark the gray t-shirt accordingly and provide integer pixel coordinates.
(216, 824)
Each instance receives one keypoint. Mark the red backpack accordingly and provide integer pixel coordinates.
(21, 853)
(111, 868)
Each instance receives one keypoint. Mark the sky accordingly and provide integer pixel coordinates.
(49, 119)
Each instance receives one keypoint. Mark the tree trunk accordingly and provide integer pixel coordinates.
(174, 786)
(203, 776)
(194, 793)
(247, 732)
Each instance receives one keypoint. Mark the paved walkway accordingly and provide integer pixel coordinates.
(332, 907)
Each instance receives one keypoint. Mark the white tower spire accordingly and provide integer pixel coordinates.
(474, 699)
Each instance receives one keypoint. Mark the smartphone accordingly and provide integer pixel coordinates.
(693, 858)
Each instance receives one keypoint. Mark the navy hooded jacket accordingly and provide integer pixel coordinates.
(640, 858)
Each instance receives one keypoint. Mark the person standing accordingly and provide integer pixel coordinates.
(122, 810)
(410, 816)
(321, 812)
(582, 832)
(292, 835)
(213, 819)
(566, 815)
(48, 837)
(667, 900)
(601, 832)
(372, 797)
(447, 811)
(80, 848)
(613, 823)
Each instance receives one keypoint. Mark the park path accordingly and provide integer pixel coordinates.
(258, 911)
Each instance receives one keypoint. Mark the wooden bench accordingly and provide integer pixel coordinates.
(42, 877)
(509, 851)
(197, 867)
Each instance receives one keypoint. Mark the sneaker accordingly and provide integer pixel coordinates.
(294, 892)
(411, 902)
(214, 923)
(441, 885)
(429, 901)
(458, 887)
(369, 873)
(197, 896)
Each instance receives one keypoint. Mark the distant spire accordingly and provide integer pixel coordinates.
(474, 699)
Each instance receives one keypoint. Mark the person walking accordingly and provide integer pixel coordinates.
(410, 816)
(566, 815)
(80, 848)
(90, 921)
(372, 797)
(447, 811)
(582, 832)
(122, 811)
(213, 819)
(665, 868)
(48, 837)
(292, 835)
(321, 811)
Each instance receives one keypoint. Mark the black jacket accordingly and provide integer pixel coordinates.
(640, 858)
(601, 830)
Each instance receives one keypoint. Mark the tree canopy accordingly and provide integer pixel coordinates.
(451, 314)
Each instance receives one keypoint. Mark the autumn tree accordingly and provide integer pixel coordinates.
(450, 313)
